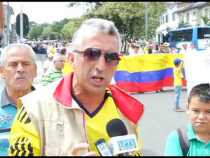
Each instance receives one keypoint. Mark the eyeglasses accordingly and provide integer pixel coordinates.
(93, 54)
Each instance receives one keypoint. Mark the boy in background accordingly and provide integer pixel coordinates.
(178, 77)
(198, 129)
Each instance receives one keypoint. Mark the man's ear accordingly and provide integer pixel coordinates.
(71, 58)
(187, 108)
(1, 69)
(35, 73)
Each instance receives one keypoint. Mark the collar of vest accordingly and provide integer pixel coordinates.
(128, 105)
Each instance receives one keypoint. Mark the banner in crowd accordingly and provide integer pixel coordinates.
(148, 72)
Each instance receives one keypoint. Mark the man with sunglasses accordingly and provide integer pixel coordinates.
(71, 115)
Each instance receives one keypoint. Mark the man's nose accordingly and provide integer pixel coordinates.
(19, 67)
(201, 115)
(101, 63)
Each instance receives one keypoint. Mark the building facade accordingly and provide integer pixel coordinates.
(5, 23)
(181, 14)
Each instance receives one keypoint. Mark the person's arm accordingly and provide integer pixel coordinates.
(172, 147)
(24, 138)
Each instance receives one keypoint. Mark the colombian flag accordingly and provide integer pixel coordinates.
(148, 72)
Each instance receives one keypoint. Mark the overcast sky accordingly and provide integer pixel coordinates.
(42, 12)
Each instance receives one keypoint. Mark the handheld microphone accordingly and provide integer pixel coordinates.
(103, 148)
(120, 143)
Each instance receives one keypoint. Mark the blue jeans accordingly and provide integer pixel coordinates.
(178, 91)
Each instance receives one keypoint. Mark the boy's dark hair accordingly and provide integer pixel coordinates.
(63, 51)
(177, 61)
(202, 91)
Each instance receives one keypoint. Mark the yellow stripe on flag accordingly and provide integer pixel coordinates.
(147, 62)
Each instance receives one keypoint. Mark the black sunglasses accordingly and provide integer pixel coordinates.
(111, 58)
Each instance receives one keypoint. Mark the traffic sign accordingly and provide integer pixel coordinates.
(25, 24)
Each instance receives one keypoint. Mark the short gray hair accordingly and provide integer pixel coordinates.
(5, 51)
(93, 26)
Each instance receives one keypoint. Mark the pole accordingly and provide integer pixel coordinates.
(146, 19)
(21, 24)
(8, 24)
(1, 23)
(1, 17)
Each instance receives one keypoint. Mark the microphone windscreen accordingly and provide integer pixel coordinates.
(116, 127)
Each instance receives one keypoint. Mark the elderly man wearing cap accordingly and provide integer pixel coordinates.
(166, 48)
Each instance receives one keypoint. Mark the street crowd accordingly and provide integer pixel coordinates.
(140, 47)
(77, 112)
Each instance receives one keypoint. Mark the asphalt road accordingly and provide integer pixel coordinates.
(159, 120)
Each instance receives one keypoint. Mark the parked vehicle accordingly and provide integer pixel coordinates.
(198, 35)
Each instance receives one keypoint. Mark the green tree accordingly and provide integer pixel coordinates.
(54, 35)
(35, 32)
(155, 9)
(32, 24)
(70, 28)
(129, 18)
(58, 26)
(124, 15)
(87, 6)
(46, 32)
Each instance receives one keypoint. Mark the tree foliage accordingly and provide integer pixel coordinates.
(129, 18)
(69, 28)
(58, 26)
(87, 6)
(46, 32)
(154, 12)
(35, 30)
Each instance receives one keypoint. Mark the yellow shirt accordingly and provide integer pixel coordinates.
(53, 51)
(96, 125)
(178, 76)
